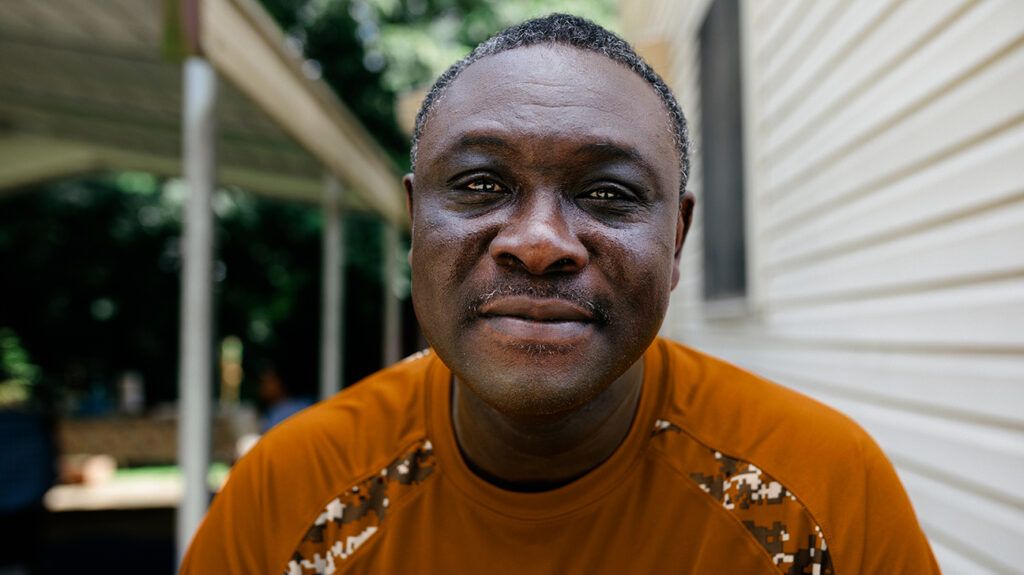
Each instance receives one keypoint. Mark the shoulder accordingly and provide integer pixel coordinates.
(356, 427)
(338, 456)
(807, 481)
(725, 406)
(337, 442)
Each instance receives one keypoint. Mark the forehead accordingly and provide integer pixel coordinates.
(548, 95)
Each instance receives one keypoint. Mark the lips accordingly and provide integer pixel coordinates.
(524, 320)
(536, 309)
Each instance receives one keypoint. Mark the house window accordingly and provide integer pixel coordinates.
(721, 95)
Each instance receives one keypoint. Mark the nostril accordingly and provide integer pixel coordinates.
(566, 264)
(507, 259)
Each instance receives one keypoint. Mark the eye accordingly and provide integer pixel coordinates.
(611, 201)
(607, 192)
(485, 185)
(604, 194)
(477, 192)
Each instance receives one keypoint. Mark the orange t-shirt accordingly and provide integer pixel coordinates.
(721, 472)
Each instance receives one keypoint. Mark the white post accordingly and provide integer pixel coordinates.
(392, 310)
(332, 335)
(195, 363)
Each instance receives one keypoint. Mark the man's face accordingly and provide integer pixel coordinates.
(546, 226)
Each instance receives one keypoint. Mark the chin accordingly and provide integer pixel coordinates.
(534, 398)
(548, 386)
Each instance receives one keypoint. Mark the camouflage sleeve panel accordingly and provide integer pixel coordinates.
(773, 515)
(353, 517)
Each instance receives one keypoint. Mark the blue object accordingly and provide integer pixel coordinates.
(283, 410)
(27, 460)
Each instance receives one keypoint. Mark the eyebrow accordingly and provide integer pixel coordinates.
(609, 150)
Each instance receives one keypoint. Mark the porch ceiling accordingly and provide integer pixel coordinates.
(84, 86)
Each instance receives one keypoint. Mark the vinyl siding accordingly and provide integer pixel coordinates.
(885, 236)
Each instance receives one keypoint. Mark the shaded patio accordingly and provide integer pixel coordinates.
(214, 91)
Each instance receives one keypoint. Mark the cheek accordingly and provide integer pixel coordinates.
(443, 233)
(446, 251)
(639, 261)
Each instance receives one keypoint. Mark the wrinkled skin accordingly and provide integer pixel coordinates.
(546, 231)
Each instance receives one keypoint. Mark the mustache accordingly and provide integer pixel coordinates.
(593, 304)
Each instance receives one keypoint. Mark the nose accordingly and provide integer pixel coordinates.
(538, 239)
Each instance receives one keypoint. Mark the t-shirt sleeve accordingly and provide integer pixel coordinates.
(893, 541)
(231, 538)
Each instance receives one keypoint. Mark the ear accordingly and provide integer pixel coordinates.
(407, 183)
(686, 203)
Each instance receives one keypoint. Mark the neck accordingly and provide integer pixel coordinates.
(536, 453)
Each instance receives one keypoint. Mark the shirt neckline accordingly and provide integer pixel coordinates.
(547, 504)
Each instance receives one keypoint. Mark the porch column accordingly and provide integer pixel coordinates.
(332, 334)
(195, 363)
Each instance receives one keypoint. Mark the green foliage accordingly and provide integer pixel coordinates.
(419, 40)
(92, 285)
(17, 374)
(373, 51)
(14, 360)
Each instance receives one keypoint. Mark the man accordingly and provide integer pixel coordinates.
(548, 430)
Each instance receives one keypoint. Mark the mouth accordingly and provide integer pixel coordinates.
(531, 321)
(536, 309)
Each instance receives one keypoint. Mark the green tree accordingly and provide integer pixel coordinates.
(91, 285)
(373, 51)
(18, 375)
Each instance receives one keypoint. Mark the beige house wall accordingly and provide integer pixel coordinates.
(885, 229)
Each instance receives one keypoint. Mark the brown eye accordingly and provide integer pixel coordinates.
(486, 186)
(604, 194)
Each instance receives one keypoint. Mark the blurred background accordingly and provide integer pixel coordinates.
(859, 168)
